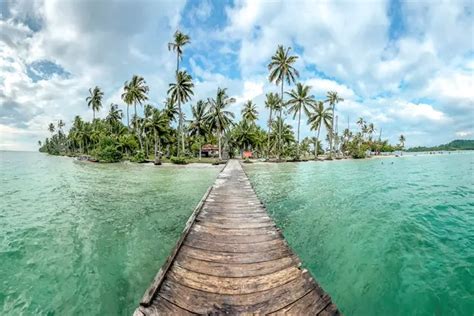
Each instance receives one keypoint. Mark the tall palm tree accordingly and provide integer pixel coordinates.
(281, 70)
(181, 92)
(158, 121)
(321, 116)
(179, 41)
(171, 109)
(249, 112)
(94, 100)
(218, 118)
(114, 116)
(198, 126)
(300, 101)
(135, 92)
(402, 140)
(272, 102)
(332, 98)
(51, 128)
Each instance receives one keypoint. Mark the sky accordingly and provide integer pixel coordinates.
(405, 66)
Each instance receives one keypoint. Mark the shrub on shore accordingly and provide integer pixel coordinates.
(179, 160)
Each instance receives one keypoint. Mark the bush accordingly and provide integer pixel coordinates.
(179, 160)
(138, 157)
(107, 151)
(247, 160)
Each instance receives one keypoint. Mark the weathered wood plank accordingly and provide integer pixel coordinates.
(235, 269)
(232, 239)
(233, 232)
(202, 302)
(258, 247)
(228, 257)
(226, 285)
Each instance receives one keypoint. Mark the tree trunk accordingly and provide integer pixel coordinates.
(179, 126)
(331, 139)
(93, 115)
(200, 146)
(128, 117)
(157, 158)
(298, 144)
(219, 136)
(279, 127)
(269, 131)
(317, 144)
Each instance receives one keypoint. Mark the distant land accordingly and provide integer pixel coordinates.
(458, 144)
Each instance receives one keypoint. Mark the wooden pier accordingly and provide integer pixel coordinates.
(232, 259)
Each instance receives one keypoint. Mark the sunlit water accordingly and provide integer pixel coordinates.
(86, 239)
(391, 236)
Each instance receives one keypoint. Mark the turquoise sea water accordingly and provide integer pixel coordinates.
(390, 236)
(87, 239)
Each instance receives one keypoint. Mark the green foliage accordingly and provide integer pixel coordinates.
(107, 150)
(179, 160)
(458, 144)
(139, 157)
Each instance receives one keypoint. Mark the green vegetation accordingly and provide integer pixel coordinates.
(164, 135)
(458, 144)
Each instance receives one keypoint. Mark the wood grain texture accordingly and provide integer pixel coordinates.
(232, 259)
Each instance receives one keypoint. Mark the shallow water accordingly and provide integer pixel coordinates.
(87, 239)
(390, 236)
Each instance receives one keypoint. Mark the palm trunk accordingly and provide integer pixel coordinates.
(298, 144)
(331, 139)
(128, 117)
(317, 144)
(269, 131)
(200, 146)
(157, 158)
(219, 137)
(93, 115)
(279, 127)
(179, 125)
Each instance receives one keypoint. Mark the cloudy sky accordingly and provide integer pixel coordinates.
(406, 66)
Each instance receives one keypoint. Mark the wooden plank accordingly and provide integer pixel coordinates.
(310, 304)
(162, 306)
(197, 227)
(235, 248)
(235, 225)
(226, 285)
(232, 239)
(150, 292)
(235, 269)
(202, 302)
(228, 257)
(330, 310)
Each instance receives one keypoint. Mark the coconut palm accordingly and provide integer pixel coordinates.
(171, 109)
(402, 140)
(273, 103)
(244, 135)
(281, 70)
(94, 100)
(300, 101)
(51, 128)
(181, 92)
(320, 117)
(179, 41)
(114, 116)
(249, 112)
(135, 91)
(158, 121)
(332, 98)
(219, 119)
(61, 124)
(198, 126)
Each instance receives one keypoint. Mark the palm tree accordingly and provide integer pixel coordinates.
(158, 121)
(272, 102)
(300, 101)
(61, 124)
(218, 118)
(321, 116)
(114, 116)
(249, 112)
(332, 98)
(94, 100)
(179, 40)
(402, 140)
(135, 92)
(244, 135)
(171, 109)
(281, 70)
(198, 126)
(51, 128)
(181, 92)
